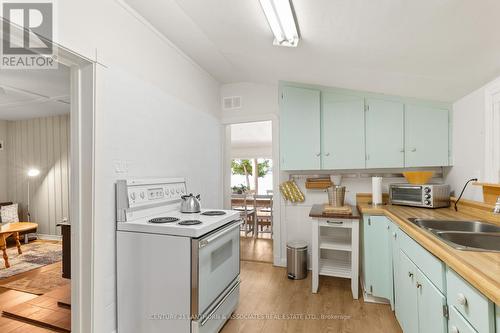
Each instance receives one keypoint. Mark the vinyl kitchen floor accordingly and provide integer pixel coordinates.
(270, 302)
(256, 249)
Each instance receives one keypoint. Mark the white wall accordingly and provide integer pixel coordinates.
(468, 144)
(155, 109)
(3, 162)
(43, 144)
(258, 101)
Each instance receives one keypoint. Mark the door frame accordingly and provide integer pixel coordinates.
(226, 170)
(81, 180)
(491, 133)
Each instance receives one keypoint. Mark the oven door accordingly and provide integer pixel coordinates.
(407, 195)
(215, 265)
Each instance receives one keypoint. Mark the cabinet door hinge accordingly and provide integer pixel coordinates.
(369, 221)
(371, 289)
(446, 313)
(367, 107)
(367, 157)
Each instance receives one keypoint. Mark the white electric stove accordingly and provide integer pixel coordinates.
(176, 272)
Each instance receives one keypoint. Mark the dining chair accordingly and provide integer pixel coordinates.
(263, 214)
(240, 202)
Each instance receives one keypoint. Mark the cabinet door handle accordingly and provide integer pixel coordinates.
(413, 150)
(327, 154)
(335, 222)
(461, 299)
(419, 285)
(318, 154)
(410, 274)
(394, 235)
(454, 329)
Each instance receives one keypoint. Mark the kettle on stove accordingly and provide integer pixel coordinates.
(190, 203)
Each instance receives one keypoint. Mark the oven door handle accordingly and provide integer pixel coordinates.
(205, 241)
(207, 317)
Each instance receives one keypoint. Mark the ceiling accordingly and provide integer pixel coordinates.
(26, 94)
(436, 49)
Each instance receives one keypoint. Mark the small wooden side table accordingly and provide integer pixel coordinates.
(13, 229)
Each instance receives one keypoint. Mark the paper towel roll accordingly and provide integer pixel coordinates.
(376, 190)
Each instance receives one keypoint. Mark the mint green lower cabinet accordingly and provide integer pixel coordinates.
(342, 131)
(394, 255)
(497, 312)
(431, 301)
(377, 263)
(406, 297)
(384, 134)
(419, 304)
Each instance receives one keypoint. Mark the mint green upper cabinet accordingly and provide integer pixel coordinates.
(384, 134)
(426, 136)
(430, 306)
(300, 146)
(342, 132)
(377, 264)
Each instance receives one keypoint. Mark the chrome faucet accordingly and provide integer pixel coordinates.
(496, 210)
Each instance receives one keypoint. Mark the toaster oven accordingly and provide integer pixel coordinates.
(425, 195)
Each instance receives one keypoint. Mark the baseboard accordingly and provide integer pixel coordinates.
(368, 298)
(49, 237)
(280, 262)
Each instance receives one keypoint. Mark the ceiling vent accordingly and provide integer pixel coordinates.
(231, 103)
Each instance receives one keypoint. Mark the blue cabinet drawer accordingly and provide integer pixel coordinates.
(458, 324)
(474, 306)
(433, 268)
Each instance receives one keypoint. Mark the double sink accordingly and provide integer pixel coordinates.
(463, 235)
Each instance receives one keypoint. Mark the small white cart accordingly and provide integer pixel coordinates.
(335, 246)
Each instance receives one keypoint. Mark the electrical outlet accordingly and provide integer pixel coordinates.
(120, 166)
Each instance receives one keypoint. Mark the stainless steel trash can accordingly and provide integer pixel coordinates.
(296, 260)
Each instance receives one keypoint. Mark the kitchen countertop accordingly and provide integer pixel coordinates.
(480, 269)
(317, 211)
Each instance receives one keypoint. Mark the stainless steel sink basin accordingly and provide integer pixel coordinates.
(456, 225)
(471, 241)
(463, 235)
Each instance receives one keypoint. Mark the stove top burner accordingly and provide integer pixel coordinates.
(167, 219)
(189, 222)
(213, 213)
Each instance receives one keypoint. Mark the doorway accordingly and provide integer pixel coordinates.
(46, 151)
(252, 187)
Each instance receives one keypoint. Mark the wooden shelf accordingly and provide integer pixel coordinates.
(339, 267)
(491, 191)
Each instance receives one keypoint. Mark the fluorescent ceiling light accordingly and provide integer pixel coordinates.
(279, 14)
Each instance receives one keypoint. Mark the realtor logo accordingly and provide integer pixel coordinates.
(27, 34)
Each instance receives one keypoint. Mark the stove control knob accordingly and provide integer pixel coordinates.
(177, 191)
(427, 196)
(132, 195)
(172, 191)
(427, 202)
(142, 195)
(427, 190)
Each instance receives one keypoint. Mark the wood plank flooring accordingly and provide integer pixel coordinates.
(259, 249)
(266, 291)
(10, 298)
